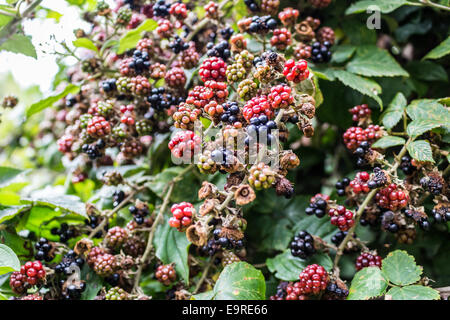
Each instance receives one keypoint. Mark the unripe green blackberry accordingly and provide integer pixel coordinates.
(112, 178)
(103, 8)
(116, 237)
(124, 16)
(228, 257)
(124, 85)
(116, 293)
(206, 163)
(105, 108)
(119, 133)
(143, 127)
(247, 89)
(245, 58)
(261, 176)
(84, 120)
(236, 72)
(90, 66)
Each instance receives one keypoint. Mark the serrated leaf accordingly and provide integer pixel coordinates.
(400, 268)
(429, 109)
(49, 101)
(420, 150)
(8, 260)
(7, 213)
(287, 267)
(367, 283)
(385, 6)
(7, 175)
(326, 74)
(172, 246)
(420, 126)
(319, 227)
(388, 141)
(394, 112)
(440, 51)
(365, 86)
(240, 281)
(372, 61)
(413, 292)
(130, 40)
(342, 53)
(208, 295)
(427, 71)
(85, 43)
(69, 203)
(18, 43)
(277, 235)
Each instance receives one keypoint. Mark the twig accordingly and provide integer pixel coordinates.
(204, 275)
(434, 5)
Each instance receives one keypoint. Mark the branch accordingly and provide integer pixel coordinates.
(204, 275)
(434, 5)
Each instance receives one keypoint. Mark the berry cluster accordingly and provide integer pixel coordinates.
(318, 205)
(313, 279)
(341, 217)
(392, 197)
(44, 250)
(360, 183)
(30, 274)
(366, 259)
(355, 136)
(166, 274)
(360, 113)
(303, 245)
(65, 232)
(182, 215)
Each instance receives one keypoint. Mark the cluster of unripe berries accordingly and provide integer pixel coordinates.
(166, 274)
(182, 214)
(30, 274)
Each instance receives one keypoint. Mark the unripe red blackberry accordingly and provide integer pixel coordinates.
(166, 274)
(326, 34)
(98, 127)
(134, 246)
(93, 254)
(175, 78)
(341, 218)
(18, 282)
(165, 28)
(359, 183)
(184, 143)
(360, 113)
(288, 16)
(219, 90)
(128, 114)
(213, 68)
(139, 85)
(145, 45)
(131, 148)
(313, 279)
(116, 293)
(116, 237)
(178, 10)
(65, 143)
(185, 116)
(257, 106)
(366, 259)
(199, 96)
(294, 291)
(157, 71)
(355, 136)
(281, 38)
(105, 265)
(296, 71)
(280, 96)
(182, 214)
(124, 67)
(33, 297)
(302, 51)
(261, 176)
(392, 197)
(212, 10)
(270, 6)
(320, 3)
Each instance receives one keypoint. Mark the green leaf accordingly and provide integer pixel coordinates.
(394, 112)
(420, 150)
(365, 86)
(8, 260)
(429, 109)
(342, 53)
(367, 283)
(49, 101)
(85, 43)
(440, 51)
(208, 295)
(240, 281)
(385, 6)
(130, 40)
(322, 73)
(420, 126)
(277, 235)
(69, 203)
(414, 292)
(18, 43)
(388, 141)
(319, 227)
(427, 71)
(7, 213)
(173, 246)
(7, 175)
(287, 267)
(3, 297)
(400, 268)
(372, 61)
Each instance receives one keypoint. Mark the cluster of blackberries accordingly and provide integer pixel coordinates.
(226, 33)
(303, 245)
(262, 24)
(160, 100)
(117, 197)
(94, 150)
(231, 112)
(334, 292)
(140, 62)
(73, 291)
(222, 157)
(93, 222)
(434, 186)
(360, 152)
(321, 52)
(341, 185)
(64, 232)
(378, 180)
(318, 206)
(339, 237)
(406, 165)
(161, 9)
(260, 127)
(226, 243)
(43, 248)
(210, 248)
(221, 50)
(281, 291)
(109, 85)
(138, 214)
(441, 215)
(69, 263)
(70, 100)
(178, 45)
(251, 5)
(387, 222)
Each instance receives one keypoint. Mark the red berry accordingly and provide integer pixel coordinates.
(280, 96)
(257, 106)
(360, 113)
(367, 259)
(178, 10)
(313, 279)
(182, 215)
(184, 142)
(391, 198)
(341, 217)
(296, 71)
(288, 16)
(213, 68)
(359, 184)
(166, 274)
(281, 38)
(175, 78)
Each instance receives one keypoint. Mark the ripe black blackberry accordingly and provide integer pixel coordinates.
(160, 100)
(140, 62)
(94, 150)
(139, 213)
(231, 112)
(318, 206)
(178, 45)
(64, 232)
(69, 263)
(43, 247)
(71, 100)
(441, 213)
(109, 85)
(74, 291)
(406, 166)
(338, 237)
(262, 24)
(379, 178)
(321, 52)
(341, 185)
(226, 243)
(432, 184)
(211, 248)
(226, 33)
(93, 222)
(260, 127)
(221, 50)
(303, 245)
(360, 152)
(161, 9)
(251, 5)
(334, 292)
(118, 197)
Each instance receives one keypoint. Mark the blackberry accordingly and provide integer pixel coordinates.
(224, 242)
(367, 259)
(313, 279)
(116, 237)
(260, 126)
(139, 213)
(44, 248)
(261, 176)
(281, 291)
(338, 237)
(441, 213)
(105, 265)
(69, 263)
(335, 292)
(303, 245)
(112, 178)
(321, 52)
(64, 232)
(211, 247)
(92, 151)
(116, 293)
(134, 247)
(231, 114)
(341, 217)
(221, 50)
(118, 197)
(166, 274)
(261, 24)
(406, 166)
(161, 9)
(178, 45)
(228, 257)
(226, 33)
(318, 205)
(109, 85)
(113, 280)
(433, 184)
(251, 5)
(160, 100)
(140, 62)
(341, 185)
(71, 100)
(379, 178)
(73, 291)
